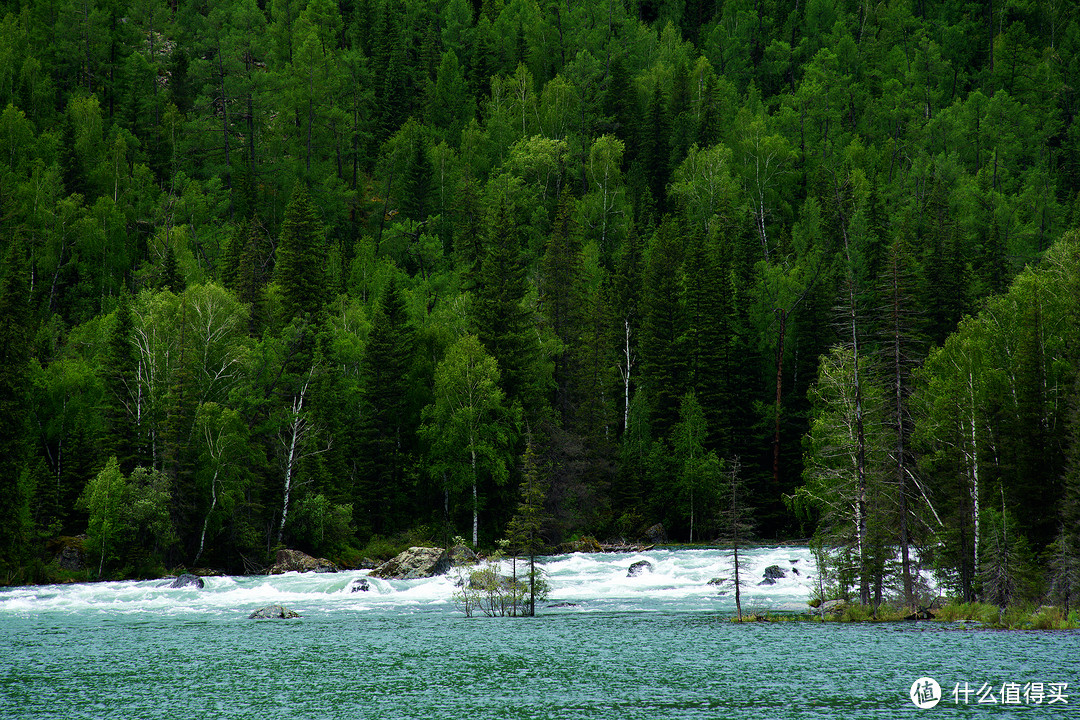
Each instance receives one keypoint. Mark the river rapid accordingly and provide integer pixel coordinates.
(604, 645)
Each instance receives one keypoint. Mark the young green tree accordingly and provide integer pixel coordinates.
(468, 426)
(842, 484)
(524, 531)
(698, 469)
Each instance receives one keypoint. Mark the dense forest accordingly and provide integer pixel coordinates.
(320, 274)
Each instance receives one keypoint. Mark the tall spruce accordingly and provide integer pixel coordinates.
(123, 408)
(386, 427)
(16, 332)
(301, 258)
(504, 324)
(663, 353)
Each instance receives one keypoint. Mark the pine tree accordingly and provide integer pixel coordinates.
(707, 331)
(123, 403)
(525, 530)
(504, 324)
(563, 303)
(663, 352)
(16, 332)
(385, 424)
(656, 147)
(301, 258)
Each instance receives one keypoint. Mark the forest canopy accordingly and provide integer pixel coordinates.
(315, 274)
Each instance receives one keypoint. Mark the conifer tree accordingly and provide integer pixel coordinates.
(504, 324)
(524, 531)
(563, 303)
(123, 404)
(15, 336)
(385, 425)
(301, 258)
(663, 352)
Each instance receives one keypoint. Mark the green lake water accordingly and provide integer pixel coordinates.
(402, 650)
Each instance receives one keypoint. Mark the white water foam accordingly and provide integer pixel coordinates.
(677, 581)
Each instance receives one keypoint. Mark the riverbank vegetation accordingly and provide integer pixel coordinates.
(311, 273)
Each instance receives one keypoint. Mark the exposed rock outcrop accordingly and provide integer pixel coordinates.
(187, 580)
(416, 562)
(273, 612)
(656, 534)
(296, 561)
(833, 607)
(360, 585)
(69, 552)
(638, 568)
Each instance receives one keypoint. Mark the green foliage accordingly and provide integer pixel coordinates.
(130, 527)
(203, 206)
(483, 587)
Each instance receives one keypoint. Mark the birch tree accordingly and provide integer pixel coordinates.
(467, 427)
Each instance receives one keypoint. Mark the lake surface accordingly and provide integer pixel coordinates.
(660, 645)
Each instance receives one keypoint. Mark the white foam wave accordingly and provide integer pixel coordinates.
(678, 580)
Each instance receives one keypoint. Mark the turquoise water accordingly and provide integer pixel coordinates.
(651, 650)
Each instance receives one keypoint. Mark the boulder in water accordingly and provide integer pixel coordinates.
(416, 562)
(360, 585)
(639, 567)
(187, 580)
(461, 555)
(273, 612)
(718, 581)
(774, 572)
(767, 581)
(296, 561)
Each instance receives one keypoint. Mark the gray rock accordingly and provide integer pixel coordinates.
(461, 555)
(773, 572)
(187, 580)
(71, 559)
(833, 607)
(489, 580)
(361, 585)
(718, 581)
(416, 562)
(767, 581)
(273, 612)
(296, 561)
(656, 534)
(638, 568)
